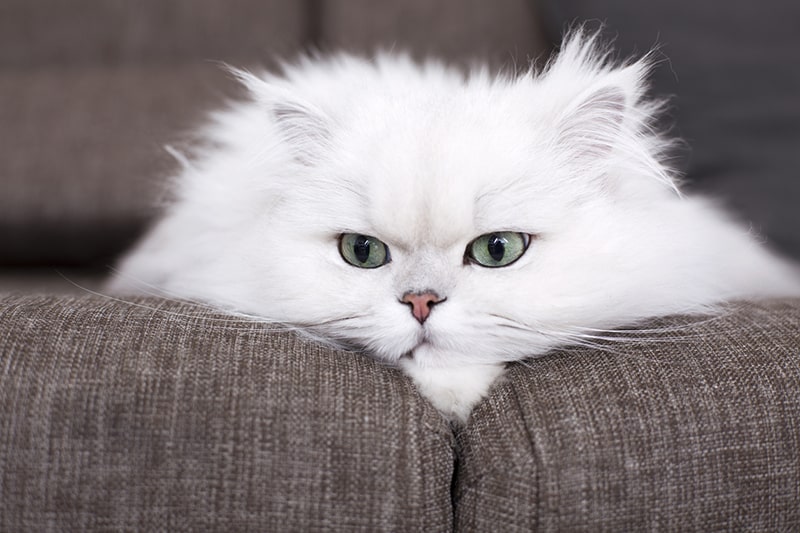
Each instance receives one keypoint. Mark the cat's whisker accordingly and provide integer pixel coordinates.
(629, 338)
(689, 321)
(145, 288)
(564, 341)
(233, 321)
(617, 348)
(337, 321)
(233, 316)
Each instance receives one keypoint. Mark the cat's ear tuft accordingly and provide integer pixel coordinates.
(591, 126)
(602, 116)
(600, 99)
(305, 129)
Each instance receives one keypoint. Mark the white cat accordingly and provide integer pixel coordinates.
(446, 223)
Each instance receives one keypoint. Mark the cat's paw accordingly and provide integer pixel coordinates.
(454, 391)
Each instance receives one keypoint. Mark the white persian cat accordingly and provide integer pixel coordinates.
(443, 222)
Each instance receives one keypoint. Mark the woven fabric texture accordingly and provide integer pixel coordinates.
(92, 90)
(82, 158)
(694, 426)
(96, 33)
(505, 33)
(156, 415)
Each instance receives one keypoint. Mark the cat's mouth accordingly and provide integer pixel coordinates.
(423, 344)
(424, 347)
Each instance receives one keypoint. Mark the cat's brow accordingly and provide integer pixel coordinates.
(501, 191)
(495, 214)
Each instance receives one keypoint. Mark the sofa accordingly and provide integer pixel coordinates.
(146, 413)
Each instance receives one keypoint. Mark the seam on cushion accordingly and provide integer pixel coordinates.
(492, 468)
(536, 457)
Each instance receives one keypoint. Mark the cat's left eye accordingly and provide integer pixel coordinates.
(497, 249)
(363, 251)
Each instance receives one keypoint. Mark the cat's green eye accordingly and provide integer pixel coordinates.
(363, 251)
(497, 249)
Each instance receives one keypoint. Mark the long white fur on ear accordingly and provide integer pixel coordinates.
(591, 127)
(602, 97)
(304, 127)
(605, 116)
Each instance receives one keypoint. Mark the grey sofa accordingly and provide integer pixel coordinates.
(152, 414)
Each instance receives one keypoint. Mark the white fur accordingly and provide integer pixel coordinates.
(427, 159)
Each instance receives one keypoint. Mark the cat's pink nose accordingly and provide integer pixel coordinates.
(421, 303)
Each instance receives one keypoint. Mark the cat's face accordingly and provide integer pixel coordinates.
(454, 231)
(404, 210)
(387, 253)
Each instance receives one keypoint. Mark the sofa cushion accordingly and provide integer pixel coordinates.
(83, 167)
(51, 33)
(683, 429)
(505, 33)
(92, 90)
(154, 415)
(731, 70)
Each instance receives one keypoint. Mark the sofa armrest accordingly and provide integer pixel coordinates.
(154, 415)
(695, 426)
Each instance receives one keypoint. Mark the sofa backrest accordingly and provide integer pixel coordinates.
(92, 90)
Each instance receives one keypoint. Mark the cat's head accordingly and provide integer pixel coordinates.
(411, 209)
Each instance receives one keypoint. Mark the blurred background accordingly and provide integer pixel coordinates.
(91, 91)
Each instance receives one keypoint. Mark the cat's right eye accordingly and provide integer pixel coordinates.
(363, 251)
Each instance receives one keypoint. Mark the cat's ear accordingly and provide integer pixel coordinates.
(603, 117)
(591, 126)
(600, 102)
(304, 127)
(595, 123)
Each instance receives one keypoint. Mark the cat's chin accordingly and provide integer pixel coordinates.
(453, 390)
(426, 355)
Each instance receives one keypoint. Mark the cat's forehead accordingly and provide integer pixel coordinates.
(432, 168)
(441, 181)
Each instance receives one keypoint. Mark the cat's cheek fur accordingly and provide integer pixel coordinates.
(455, 390)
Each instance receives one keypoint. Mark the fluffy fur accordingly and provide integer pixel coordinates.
(426, 159)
